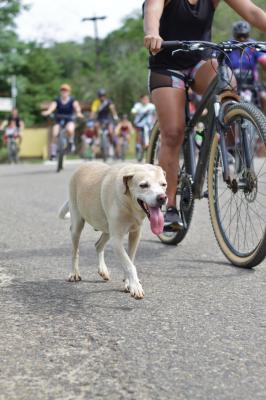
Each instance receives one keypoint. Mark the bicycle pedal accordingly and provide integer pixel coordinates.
(206, 194)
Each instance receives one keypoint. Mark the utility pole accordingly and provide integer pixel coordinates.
(96, 36)
(14, 90)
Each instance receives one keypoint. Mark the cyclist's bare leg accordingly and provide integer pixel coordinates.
(55, 132)
(206, 73)
(263, 101)
(70, 128)
(138, 145)
(170, 106)
(118, 147)
(111, 131)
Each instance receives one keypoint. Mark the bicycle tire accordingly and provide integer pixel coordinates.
(104, 146)
(61, 151)
(253, 257)
(169, 238)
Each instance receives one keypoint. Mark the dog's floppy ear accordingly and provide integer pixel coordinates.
(162, 170)
(126, 178)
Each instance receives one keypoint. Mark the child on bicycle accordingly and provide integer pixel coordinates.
(90, 141)
(123, 131)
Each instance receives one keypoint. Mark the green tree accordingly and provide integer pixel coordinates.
(11, 49)
(39, 81)
(224, 19)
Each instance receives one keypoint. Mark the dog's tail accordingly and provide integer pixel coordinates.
(64, 211)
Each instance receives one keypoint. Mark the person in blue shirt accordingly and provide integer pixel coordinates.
(245, 65)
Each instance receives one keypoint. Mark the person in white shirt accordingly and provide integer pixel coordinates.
(144, 118)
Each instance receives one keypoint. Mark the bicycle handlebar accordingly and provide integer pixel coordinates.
(198, 45)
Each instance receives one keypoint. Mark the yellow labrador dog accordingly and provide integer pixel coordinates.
(115, 200)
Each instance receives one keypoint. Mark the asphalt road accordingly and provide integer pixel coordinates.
(199, 333)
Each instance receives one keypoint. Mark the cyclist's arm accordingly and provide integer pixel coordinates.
(250, 12)
(94, 109)
(153, 10)
(52, 107)
(113, 111)
(77, 109)
(135, 109)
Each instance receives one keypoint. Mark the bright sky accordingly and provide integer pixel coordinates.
(60, 20)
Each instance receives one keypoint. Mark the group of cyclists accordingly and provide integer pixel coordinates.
(105, 134)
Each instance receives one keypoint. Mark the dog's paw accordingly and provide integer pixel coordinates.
(74, 278)
(136, 290)
(105, 275)
(126, 287)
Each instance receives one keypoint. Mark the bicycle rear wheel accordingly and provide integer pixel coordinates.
(61, 150)
(238, 208)
(184, 190)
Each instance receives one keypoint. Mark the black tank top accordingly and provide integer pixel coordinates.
(182, 21)
(65, 108)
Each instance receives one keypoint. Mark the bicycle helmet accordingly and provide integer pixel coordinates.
(101, 92)
(241, 28)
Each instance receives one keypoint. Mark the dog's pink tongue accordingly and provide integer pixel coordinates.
(156, 220)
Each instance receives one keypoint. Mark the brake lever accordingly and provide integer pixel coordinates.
(178, 50)
(261, 48)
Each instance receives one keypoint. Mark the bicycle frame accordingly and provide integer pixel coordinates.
(213, 102)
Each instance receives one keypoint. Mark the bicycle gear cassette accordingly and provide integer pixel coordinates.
(186, 193)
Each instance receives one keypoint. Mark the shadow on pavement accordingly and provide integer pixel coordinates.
(58, 297)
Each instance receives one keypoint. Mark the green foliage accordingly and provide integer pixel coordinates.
(38, 81)
(11, 49)
(224, 18)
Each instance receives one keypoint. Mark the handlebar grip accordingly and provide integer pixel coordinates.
(171, 43)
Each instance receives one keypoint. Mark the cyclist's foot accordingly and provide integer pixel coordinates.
(172, 220)
(230, 158)
(52, 157)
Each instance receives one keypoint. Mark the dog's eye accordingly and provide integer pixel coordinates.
(144, 185)
(163, 184)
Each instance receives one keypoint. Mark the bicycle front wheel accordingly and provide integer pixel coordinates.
(61, 150)
(238, 208)
(184, 191)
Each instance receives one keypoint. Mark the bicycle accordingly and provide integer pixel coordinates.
(144, 133)
(62, 139)
(236, 198)
(12, 149)
(105, 143)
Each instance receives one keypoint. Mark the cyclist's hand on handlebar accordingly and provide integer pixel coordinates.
(153, 43)
(45, 114)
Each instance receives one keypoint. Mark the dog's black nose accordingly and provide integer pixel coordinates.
(161, 199)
